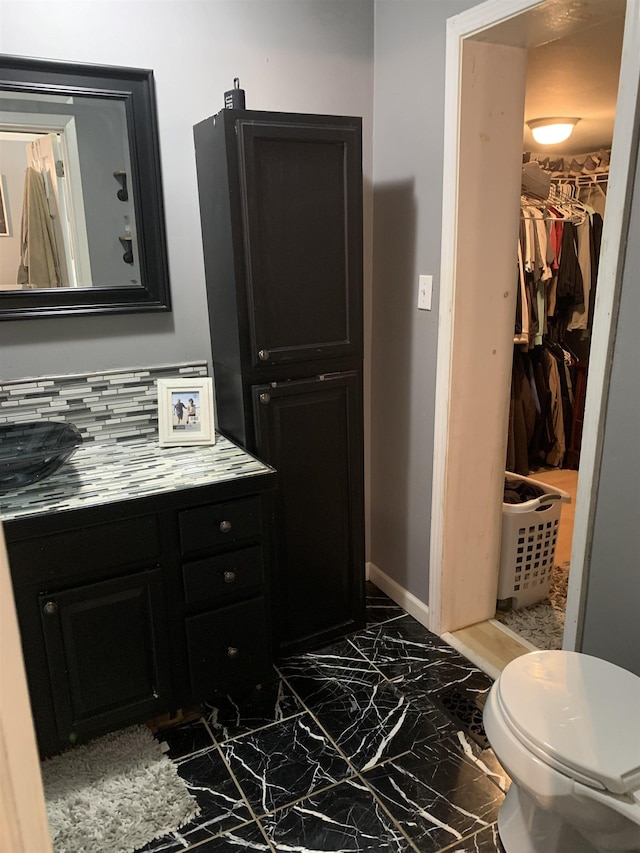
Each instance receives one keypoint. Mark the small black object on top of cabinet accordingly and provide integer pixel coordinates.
(281, 214)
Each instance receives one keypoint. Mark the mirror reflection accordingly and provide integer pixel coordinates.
(68, 214)
(81, 203)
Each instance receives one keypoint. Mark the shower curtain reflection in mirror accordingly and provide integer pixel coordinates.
(49, 246)
(4, 214)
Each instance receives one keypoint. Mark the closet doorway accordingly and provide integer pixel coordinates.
(563, 203)
(484, 116)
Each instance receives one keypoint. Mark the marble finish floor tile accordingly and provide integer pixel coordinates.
(445, 669)
(344, 818)
(484, 759)
(371, 725)
(360, 746)
(380, 608)
(406, 651)
(284, 762)
(186, 739)
(340, 664)
(463, 709)
(248, 837)
(221, 803)
(485, 841)
(229, 717)
(447, 674)
(437, 796)
(321, 678)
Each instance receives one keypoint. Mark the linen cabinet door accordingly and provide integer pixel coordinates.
(302, 212)
(310, 431)
(106, 652)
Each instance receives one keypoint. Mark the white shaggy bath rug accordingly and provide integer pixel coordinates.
(114, 795)
(543, 624)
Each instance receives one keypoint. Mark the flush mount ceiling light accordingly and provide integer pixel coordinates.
(549, 131)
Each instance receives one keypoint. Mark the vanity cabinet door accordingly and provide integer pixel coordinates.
(106, 653)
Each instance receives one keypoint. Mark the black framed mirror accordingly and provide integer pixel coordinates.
(81, 204)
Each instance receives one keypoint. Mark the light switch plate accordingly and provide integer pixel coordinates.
(425, 291)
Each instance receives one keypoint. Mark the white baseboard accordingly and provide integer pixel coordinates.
(405, 599)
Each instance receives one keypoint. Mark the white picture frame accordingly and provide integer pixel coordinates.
(185, 412)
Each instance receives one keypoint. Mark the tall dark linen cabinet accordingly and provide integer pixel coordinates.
(281, 212)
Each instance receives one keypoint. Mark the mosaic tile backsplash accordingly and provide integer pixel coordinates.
(107, 407)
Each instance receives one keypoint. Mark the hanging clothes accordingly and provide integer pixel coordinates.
(558, 257)
(39, 264)
(581, 312)
(596, 241)
(556, 454)
(522, 417)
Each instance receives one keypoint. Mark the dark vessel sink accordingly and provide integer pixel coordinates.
(32, 451)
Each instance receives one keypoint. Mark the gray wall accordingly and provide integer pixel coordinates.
(315, 56)
(408, 158)
(612, 618)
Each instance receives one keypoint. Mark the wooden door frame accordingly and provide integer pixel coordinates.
(448, 443)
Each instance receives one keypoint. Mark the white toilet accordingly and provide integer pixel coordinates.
(566, 728)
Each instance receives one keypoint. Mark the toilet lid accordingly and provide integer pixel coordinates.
(577, 713)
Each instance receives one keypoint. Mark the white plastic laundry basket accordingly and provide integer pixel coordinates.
(529, 536)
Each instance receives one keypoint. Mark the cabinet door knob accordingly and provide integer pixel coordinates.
(232, 652)
(51, 608)
(225, 526)
(265, 398)
(263, 355)
(229, 577)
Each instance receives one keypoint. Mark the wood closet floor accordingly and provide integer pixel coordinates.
(566, 480)
(487, 644)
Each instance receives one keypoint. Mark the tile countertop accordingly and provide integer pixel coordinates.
(99, 474)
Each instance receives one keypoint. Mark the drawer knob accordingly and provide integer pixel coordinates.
(232, 652)
(225, 526)
(265, 398)
(263, 355)
(229, 577)
(51, 608)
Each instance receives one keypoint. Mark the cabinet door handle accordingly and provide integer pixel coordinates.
(265, 398)
(229, 577)
(50, 608)
(263, 355)
(225, 526)
(232, 652)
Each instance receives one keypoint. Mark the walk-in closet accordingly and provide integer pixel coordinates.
(563, 202)
(562, 210)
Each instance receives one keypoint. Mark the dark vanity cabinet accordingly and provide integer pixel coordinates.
(281, 213)
(106, 652)
(134, 609)
(223, 577)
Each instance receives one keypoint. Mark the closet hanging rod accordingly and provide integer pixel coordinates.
(576, 217)
(582, 180)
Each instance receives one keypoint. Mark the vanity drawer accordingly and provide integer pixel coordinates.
(211, 526)
(224, 575)
(228, 648)
(86, 551)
